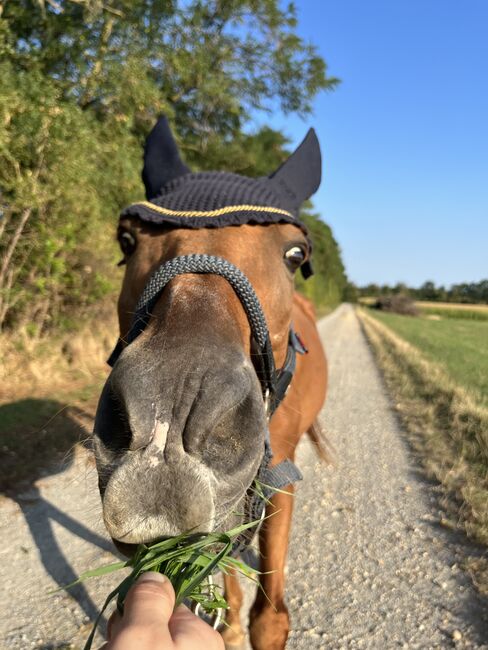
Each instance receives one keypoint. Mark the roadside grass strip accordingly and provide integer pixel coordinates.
(445, 424)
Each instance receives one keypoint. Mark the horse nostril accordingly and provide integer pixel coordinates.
(126, 414)
(111, 423)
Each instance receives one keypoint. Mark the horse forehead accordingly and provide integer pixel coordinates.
(236, 237)
(246, 238)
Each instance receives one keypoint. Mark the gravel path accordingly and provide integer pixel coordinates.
(369, 566)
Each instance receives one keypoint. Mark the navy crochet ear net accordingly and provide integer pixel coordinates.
(162, 162)
(293, 182)
(180, 198)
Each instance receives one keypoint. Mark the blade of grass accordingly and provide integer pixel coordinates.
(94, 573)
(204, 573)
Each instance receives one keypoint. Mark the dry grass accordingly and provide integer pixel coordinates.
(367, 300)
(38, 368)
(48, 394)
(453, 310)
(442, 309)
(452, 305)
(446, 426)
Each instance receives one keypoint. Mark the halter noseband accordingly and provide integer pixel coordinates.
(274, 384)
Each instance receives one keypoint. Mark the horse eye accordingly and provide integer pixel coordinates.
(127, 243)
(294, 257)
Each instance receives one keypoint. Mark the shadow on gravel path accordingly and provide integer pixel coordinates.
(40, 515)
(38, 438)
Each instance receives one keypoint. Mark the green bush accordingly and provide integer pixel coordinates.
(81, 84)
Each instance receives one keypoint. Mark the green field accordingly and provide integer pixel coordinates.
(459, 345)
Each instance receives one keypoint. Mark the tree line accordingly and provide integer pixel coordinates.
(82, 83)
(465, 292)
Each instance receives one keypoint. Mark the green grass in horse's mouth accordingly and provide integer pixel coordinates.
(187, 561)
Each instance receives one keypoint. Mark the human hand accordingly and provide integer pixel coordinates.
(149, 622)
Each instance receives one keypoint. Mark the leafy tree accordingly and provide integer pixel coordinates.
(327, 285)
(400, 289)
(350, 293)
(81, 84)
(472, 292)
(428, 291)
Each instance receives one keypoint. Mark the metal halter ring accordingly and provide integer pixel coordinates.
(216, 618)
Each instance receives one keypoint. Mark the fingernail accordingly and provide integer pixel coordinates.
(152, 576)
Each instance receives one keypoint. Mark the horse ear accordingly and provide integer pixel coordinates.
(299, 176)
(162, 162)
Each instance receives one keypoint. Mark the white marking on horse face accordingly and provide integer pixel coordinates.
(159, 435)
(247, 364)
(277, 339)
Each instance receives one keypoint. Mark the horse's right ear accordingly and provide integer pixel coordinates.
(162, 162)
(299, 176)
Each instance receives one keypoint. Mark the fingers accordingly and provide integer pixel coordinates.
(148, 608)
(189, 631)
(151, 598)
(149, 622)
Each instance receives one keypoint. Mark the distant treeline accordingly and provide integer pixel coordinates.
(81, 85)
(466, 292)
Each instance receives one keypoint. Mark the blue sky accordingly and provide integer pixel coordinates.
(404, 137)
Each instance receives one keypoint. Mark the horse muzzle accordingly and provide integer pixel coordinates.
(177, 445)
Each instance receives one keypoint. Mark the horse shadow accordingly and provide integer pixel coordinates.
(32, 452)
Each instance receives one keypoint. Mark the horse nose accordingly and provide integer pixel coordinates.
(126, 414)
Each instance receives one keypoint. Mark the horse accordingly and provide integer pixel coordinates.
(219, 371)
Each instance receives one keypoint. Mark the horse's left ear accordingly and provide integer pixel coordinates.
(162, 162)
(299, 176)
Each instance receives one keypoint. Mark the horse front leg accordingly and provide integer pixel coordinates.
(269, 620)
(233, 634)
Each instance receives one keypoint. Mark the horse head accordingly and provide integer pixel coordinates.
(181, 425)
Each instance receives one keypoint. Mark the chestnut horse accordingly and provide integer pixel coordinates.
(182, 424)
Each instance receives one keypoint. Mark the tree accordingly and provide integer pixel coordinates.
(327, 285)
(428, 291)
(81, 84)
(472, 292)
(350, 293)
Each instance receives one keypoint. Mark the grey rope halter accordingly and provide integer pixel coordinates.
(206, 264)
(219, 266)
(274, 384)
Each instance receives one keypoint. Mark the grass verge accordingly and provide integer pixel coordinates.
(48, 394)
(445, 425)
(458, 345)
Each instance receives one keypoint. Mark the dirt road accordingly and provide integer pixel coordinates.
(369, 565)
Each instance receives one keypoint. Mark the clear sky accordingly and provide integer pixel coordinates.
(404, 137)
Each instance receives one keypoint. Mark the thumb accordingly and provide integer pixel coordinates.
(149, 604)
